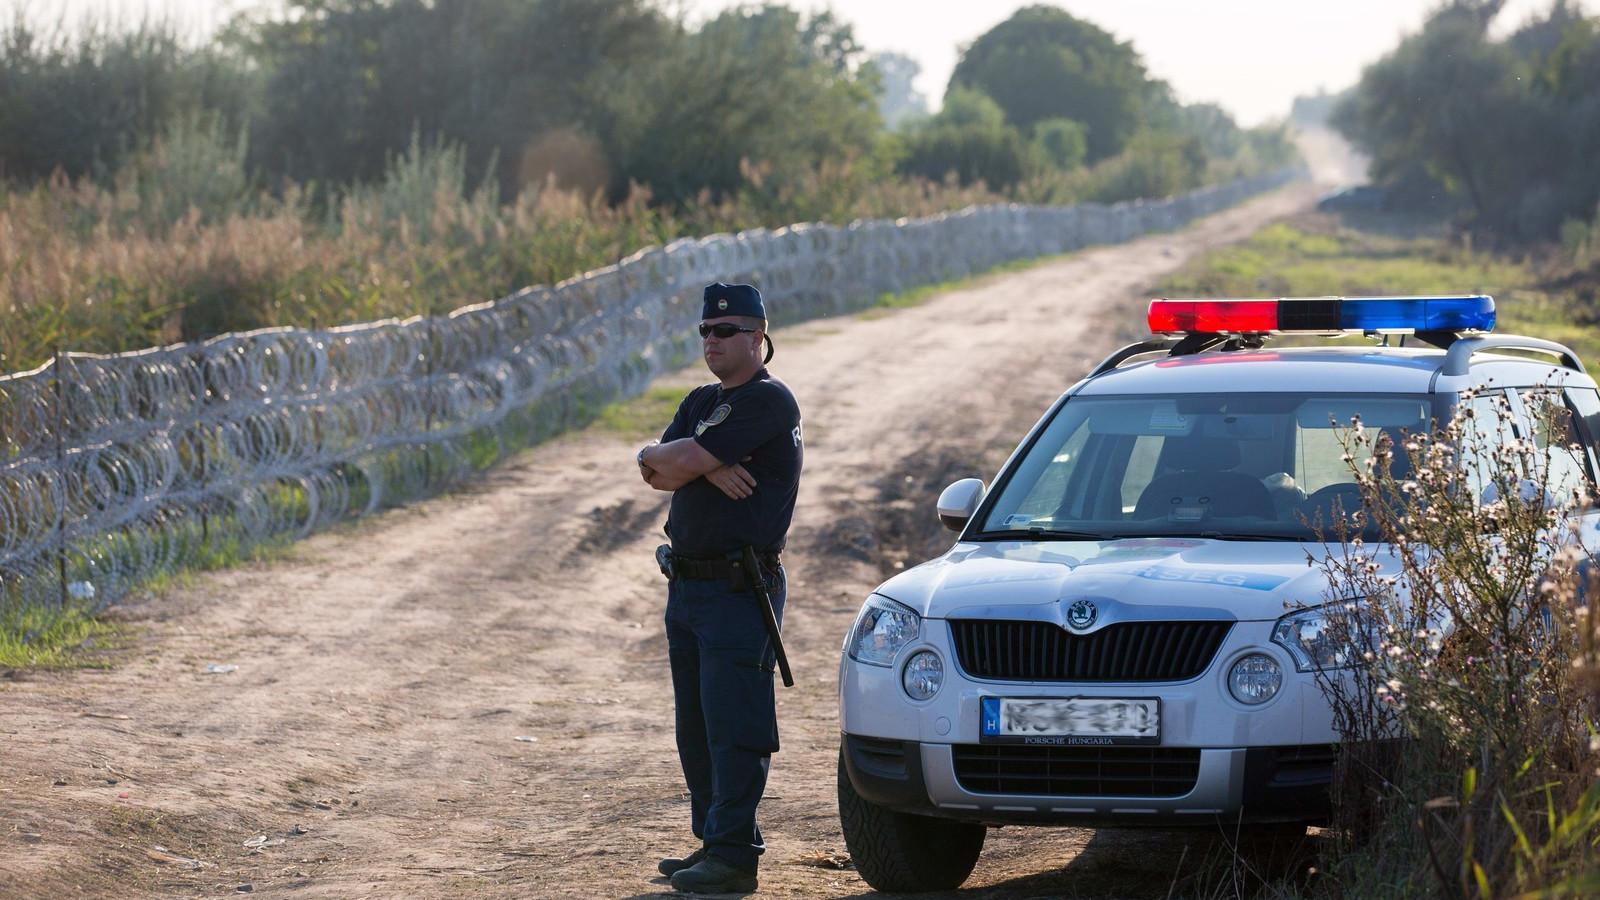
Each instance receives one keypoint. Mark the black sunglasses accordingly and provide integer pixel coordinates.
(724, 330)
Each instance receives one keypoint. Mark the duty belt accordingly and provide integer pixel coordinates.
(718, 568)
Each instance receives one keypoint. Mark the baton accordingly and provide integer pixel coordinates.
(752, 576)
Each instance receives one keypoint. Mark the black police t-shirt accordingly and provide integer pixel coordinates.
(759, 420)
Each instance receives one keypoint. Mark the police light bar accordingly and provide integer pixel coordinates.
(1323, 315)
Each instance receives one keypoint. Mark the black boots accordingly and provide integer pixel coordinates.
(672, 864)
(713, 876)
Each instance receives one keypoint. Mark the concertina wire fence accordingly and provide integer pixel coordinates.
(116, 468)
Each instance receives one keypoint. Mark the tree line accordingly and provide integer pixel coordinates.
(604, 95)
(1502, 131)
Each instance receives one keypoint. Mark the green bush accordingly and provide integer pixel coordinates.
(1062, 142)
(195, 167)
(1154, 165)
(971, 140)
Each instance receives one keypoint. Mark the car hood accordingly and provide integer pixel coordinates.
(1126, 578)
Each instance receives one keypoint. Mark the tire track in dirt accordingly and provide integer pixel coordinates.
(470, 696)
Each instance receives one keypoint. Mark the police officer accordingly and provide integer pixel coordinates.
(731, 459)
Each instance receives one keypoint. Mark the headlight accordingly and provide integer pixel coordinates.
(883, 627)
(1323, 638)
(1255, 679)
(923, 675)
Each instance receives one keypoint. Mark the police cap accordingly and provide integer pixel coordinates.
(733, 300)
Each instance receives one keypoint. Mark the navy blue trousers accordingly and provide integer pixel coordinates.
(727, 726)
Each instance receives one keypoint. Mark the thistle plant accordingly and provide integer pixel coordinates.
(1466, 709)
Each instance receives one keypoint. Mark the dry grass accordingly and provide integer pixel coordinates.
(182, 245)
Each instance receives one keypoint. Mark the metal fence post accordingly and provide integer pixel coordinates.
(427, 412)
(61, 476)
(202, 435)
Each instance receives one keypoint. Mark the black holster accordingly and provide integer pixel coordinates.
(726, 569)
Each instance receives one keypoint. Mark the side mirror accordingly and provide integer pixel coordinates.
(959, 501)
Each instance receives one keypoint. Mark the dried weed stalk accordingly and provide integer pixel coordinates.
(1467, 703)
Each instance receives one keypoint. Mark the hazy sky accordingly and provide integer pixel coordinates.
(1250, 56)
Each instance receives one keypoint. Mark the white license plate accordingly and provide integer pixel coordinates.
(1070, 721)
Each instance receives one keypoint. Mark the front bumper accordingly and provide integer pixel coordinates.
(1237, 785)
(1267, 763)
(1198, 712)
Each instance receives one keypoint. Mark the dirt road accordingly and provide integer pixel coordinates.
(470, 696)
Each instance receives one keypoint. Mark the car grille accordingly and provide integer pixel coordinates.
(1077, 771)
(1004, 650)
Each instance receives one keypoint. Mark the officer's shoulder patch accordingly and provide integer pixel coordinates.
(717, 417)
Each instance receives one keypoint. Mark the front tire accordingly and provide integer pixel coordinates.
(905, 853)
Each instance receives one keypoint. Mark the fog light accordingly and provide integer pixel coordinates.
(1255, 679)
(923, 675)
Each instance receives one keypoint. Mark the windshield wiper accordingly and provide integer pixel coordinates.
(1038, 533)
(1218, 536)
(1231, 536)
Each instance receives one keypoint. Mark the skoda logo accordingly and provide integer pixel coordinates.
(1081, 615)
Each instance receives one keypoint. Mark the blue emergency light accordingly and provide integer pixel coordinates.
(1323, 315)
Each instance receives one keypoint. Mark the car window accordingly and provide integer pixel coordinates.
(1586, 403)
(1489, 425)
(1319, 458)
(1555, 436)
(1052, 483)
(1266, 464)
(1141, 469)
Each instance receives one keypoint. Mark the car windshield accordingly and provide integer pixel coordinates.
(1240, 466)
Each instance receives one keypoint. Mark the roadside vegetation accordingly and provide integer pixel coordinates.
(315, 166)
(1469, 750)
(50, 638)
(644, 416)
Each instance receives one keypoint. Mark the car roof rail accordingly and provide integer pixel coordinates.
(1458, 359)
(1156, 345)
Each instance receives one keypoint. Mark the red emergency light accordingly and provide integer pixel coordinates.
(1323, 315)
